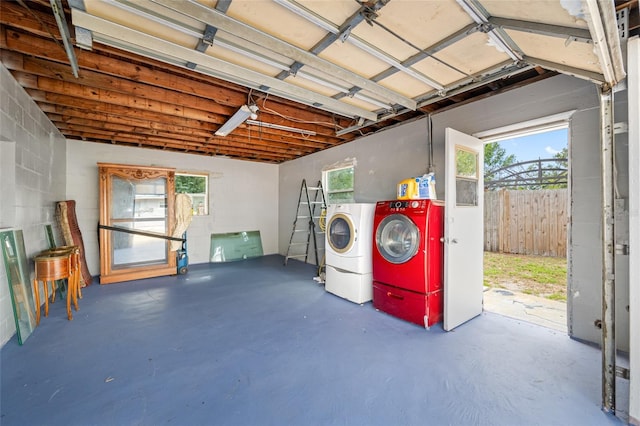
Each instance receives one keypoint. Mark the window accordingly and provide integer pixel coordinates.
(466, 177)
(196, 185)
(339, 184)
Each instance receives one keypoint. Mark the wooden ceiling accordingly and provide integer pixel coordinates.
(126, 99)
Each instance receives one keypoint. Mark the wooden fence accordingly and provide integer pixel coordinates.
(526, 222)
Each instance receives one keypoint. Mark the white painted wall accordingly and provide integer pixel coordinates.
(32, 172)
(382, 160)
(243, 195)
(387, 157)
(551, 96)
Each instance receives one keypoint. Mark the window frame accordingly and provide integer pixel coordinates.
(196, 211)
(328, 192)
(475, 179)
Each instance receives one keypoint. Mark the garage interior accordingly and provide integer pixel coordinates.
(151, 82)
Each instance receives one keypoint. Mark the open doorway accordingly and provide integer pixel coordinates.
(525, 224)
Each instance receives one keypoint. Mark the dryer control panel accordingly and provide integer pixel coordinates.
(403, 205)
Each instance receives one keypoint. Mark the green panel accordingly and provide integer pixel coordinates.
(48, 229)
(235, 246)
(15, 263)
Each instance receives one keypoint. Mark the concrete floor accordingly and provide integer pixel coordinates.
(525, 307)
(257, 343)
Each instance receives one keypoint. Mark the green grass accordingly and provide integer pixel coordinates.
(561, 297)
(537, 275)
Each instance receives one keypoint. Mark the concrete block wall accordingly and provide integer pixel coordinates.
(33, 176)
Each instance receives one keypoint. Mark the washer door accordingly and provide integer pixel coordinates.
(340, 233)
(397, 238)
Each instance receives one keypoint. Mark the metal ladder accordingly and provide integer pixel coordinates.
(306, 226)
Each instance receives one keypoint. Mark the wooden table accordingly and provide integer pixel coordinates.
(57, 264)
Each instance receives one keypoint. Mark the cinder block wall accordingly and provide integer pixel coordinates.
(33, 176)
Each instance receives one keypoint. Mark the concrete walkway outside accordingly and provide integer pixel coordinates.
(537, 310)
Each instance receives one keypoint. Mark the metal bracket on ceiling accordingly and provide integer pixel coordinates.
(209, 32)
(485, 27)
(84, 38)
(622, 19)
(352, 92)
(369, 14)
(498, 36)
(293, 69)
(344, 34)
(204, 43)
(361, 123)
(58, 12)
(209, 35)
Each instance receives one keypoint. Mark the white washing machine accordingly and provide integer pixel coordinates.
(349, 239)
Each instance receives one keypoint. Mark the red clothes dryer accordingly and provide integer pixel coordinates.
(408, 257)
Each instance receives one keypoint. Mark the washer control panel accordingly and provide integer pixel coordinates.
(406, 204)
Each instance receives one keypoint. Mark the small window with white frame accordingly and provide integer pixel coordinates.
(196, 186)
(338, 183)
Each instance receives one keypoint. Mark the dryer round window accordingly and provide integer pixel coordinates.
(397, 238)
(341, 233)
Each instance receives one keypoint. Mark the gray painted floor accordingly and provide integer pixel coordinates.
(257, 343)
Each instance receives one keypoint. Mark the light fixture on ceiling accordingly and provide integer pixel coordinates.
(237, 119)
(281, 127)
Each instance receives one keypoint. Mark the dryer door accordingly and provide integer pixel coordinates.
(397, 238)
(340, 233)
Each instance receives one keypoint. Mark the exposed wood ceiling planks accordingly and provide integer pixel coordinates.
(147, 103)
(123, 98)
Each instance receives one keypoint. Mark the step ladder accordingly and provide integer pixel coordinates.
(307, 225)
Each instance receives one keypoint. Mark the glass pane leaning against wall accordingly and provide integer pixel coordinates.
(15, 263)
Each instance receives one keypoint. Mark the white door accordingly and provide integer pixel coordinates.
(463, 229)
